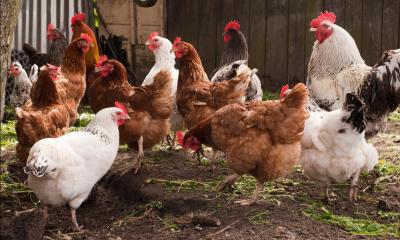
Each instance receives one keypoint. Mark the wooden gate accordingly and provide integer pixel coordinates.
(277, 31)
(35, 15)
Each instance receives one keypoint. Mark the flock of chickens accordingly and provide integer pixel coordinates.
(323, 126)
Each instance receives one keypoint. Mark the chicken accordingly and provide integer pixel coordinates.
(149, 107)
(56, 51)
(165, 59)
(235, 52)
(337, 68)
(71, 78)
(333, 147)
(64, 170)
(22, 86)
(258, 138)
(44, 116)
(78, 27)
(33, 74)
(197, 98)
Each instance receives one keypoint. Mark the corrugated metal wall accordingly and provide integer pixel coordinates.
(35, 15)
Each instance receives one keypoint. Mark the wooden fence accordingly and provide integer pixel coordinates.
(35, 15)
(277, 30)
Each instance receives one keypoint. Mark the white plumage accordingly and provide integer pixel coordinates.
(64, 170)
(334, 147)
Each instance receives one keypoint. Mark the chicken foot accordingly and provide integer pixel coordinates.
(139, 157)
(75, 225)
(228, 181)
(254, 198)
(353, 192)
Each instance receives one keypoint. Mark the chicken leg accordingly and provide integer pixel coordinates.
(326, 194)
(139, 157)
(171, 140)
(75, 225)
(228, 181)
(254, 198)
(353, 192)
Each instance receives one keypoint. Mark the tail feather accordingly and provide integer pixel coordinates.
(297, 97)
(29, 50)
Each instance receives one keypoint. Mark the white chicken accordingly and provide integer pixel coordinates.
(33, 74)
(165, 60)
(333, 147)
(337, 68)
(64, 170)
(22, 85)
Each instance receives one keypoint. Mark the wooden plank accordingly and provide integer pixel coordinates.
(256, 39)
(39, 25)
(173, 8)
(189, 21)
(371, 31)
(76, 6)
(313, 9)
(353, 22)
(66, 20)
(390, 24)
(338, 8)
(207, 34)
(224, 15)
(296, 44)
(241, 12)
(24, 11)
(58, 7)
(48, 20)
(276, 44)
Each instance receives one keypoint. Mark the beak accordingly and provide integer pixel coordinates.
(172, 50)
(147, 43)
(313, 29)
(126, 116)
(97, 69)
(90, 45)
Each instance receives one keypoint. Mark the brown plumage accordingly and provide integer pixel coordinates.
(43, 117)
(259, 138)
(149, 107)
(197, 98)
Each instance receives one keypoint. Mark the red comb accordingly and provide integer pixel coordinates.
(120, 106)
(101, 60)
(79, 16)
(50, 27)
(52, 67)
(177, 40)
(87, 38)
(330, 16)
(152, 35)
(180, 135)
(232, 25)
(283, 90)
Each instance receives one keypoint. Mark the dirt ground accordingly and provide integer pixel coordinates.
(165, 200)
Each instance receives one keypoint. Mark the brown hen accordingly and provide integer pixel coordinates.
(259, 138)
(149, 107)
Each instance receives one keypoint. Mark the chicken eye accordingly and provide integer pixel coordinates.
(54, 169)
(156, 40)
(342, 130)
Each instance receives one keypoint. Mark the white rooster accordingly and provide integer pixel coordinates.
(337, 68)
(333, 147)
(64, 170)
(22, 85)
(165, 60)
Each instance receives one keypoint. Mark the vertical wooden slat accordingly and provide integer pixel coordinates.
(313, 9)
(225, 10)
(30, 22)
(338, 7)
(353, 23)
(58, 21)
(66, 20)
(241, 12)
(24, 10)
(76, 7)
(173, 7)
(390, 25)
(371, 31)
(257, 37)
(296, 44)
(276, 43)
(39, 24)
(48, 20)
(207, 33)
(189, 23)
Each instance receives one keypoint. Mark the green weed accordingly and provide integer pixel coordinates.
(270, 96)
(259, 218)
(8, 135)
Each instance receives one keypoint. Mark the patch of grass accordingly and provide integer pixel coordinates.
(259, 218)
(270, 96)
(11, 190)
(185, 185)
(354, 226)
(82, 121)
(394, 116)
(169, 224)
(389, 215)
(140, 212)
(8, 136)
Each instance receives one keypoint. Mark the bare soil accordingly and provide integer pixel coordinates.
(157, 204)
